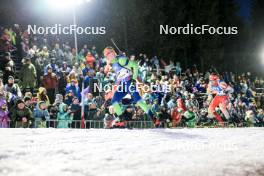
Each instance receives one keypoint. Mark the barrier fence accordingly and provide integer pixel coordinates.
(100, 124)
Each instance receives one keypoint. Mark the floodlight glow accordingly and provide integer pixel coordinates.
(262, 56)
(64, 4)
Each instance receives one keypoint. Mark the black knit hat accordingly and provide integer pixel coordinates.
(19, 101)
(26, 98)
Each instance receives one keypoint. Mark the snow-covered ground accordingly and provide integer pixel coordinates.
(121, 152)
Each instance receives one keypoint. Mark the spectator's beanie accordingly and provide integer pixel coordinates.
(19, 101)
(10, 78)
(27, 98)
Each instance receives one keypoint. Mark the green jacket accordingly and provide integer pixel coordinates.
(131, 65)
(18, 114)
(190, 118)
(28, 76)
(12, 35)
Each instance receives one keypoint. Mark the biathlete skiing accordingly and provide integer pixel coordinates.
(126, 78)
(220, 92)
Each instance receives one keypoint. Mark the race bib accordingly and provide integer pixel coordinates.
(123, 74)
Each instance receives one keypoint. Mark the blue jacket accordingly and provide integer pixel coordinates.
(75, 90)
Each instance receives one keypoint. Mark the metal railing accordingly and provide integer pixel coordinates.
(100, 124)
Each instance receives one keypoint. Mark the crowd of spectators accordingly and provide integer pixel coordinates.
(50, 85)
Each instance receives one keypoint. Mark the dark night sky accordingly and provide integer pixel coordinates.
(245, 8)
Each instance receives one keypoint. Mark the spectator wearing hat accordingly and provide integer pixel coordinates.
(41, 114)
(29, 102)
(74, 88)
(50, 82)
(42, 95)
(75, 108)
(28, 75)
(53, 65)
(90, 60)
(64, 116)
(21, 116)
(12, 87)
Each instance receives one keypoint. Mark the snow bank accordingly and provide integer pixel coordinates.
(165, 152)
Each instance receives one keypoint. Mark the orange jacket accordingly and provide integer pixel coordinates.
(90, 60)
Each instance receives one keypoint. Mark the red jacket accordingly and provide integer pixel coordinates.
(90, 60)
(50, 81)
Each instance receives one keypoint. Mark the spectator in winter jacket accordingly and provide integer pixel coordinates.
(90, 107)
(13, 88)
(65, 67)
(7, 40)
(86, 69)
(73, 86)
(57, 52)
(109, 118)
(28, 75)
(172, 103)
(94, 52)
(155, 61)
(178, 69)
(4, 118)
(53, 65)
(42, 96)
(8, 67)
(100, 75)
(77, 70)
(72, 76)
(41, 114)
(76, 108)
(64, 116)
(69, 98)
(260, 118)
(189, 117)
(21, 116)
(29, 102)
(44, 53)
(50, 82)
(201, 85)
(39, 65)
(90, 59)
(62, 83)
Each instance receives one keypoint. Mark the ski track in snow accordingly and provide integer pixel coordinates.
(162, 152)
